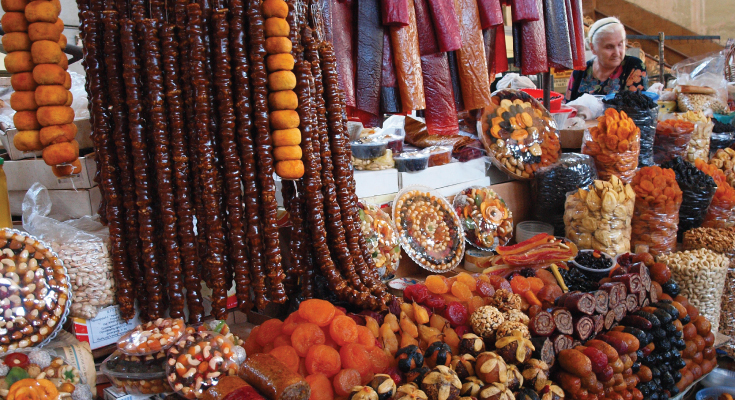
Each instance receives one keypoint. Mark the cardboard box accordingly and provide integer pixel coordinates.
(445, 175)
(22, 174)
(84, 129)
(106, 328)
(376, 183)
(66, 204)
(571, 138)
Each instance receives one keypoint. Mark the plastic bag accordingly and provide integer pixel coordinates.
(701, 102)
(381, 237)
(724, 160)
(551, 184)
(599, 217)
(612, 154)
(645, 120)
(81, 245)
(79, 93)
(656, 214)
(721, 212)
(697, 190)
(185, 374)
(672, 140)
(515, 81)
(704, 70)
(591, 102)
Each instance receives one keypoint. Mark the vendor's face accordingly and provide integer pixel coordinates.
(610, 48)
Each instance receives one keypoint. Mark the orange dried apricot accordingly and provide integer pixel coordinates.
(365, 337)
(461, 291)
(282, 340)
(436, 284)
(328, 338)
(322, 359)
(251, 345)
(345, 380)
(355, 356)
(291, 322)
(321, 387)
(520, 284)
(268, 331)
(474, 303)
(317, 311)
(287, 355)
(305, 336)
(380, 360)
(343, 330)
(536, 284)
(468, 280)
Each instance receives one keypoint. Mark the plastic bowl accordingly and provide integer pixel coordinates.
(561, 116)
(538, 94)
(411, 161)
(369, 150)
(712, 393)
(719, 377)
(595, 273)
(528, 229)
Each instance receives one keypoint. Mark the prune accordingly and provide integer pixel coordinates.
(636, 367)
(674, 390)
(663, 345)
(671, 288)
(639, 334)
(659, 334)
(650, 317)
(698, 189)
(679, 363)
(686, 320)
(676, 375)
(663, 316)
(655, 372)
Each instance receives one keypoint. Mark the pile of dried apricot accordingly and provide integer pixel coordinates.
(721, 212)
(656, 214)
(614, 144)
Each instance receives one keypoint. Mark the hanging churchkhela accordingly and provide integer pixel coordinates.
(195, 105)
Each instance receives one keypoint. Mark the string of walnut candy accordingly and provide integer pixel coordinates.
(189, 124)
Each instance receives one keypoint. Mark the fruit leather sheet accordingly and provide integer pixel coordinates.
(488, 37)
(558, 45)
(390, 100)
(501, 52)
(578, 23)
(570, 27)
(525, 10)
(441, 113)
(456, 86)
(446, 24)
(369, 56)
(471, 57)
(517, 44)
(395, 12)
(405, 42)
(491, 13)
(533, 52)
(343, 35)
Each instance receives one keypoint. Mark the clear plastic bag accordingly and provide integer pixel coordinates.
(701, 102)
(704, 70)
(721, 212)
(381, 237)
(152, 337)
(655, 220)
(552, 183)
(719, 141)
(183, 370)
(672, 140)
(137, 374)
(697, 190)
(645, 120)
(599, 217)
(700, 141)
(82, 247)
(621, 161)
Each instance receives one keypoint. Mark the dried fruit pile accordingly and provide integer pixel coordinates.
(656, 215)
(614, 144)
(724, 160)
(697, 189)
(721, 212)
(486, 219)
(672, 139)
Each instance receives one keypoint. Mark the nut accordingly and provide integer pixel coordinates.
(91, 274)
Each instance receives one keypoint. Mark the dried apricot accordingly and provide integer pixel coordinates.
(321, 387)
(437, 284)
(379, 359)
(468, 280)
(268, 347)
(520, 284)
(282, 340)
(499, 282)
(536, 284)
(268, 331)
(475, 303)
(345, 380)
(461, 291)
(251, 345)
(291, 322)
(305, 336)
(317, 311)
(322, 359)
(343, 330)
(355, 356)
(287, 355)
(365, 337)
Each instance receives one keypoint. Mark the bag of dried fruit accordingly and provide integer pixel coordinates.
(701, 136)
(614, 144)
(672, 139)
(656, 214)
(697, 189)
(721, 212)
(81, 244)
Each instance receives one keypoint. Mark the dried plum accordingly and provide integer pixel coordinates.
(671, 288)
(697, 191)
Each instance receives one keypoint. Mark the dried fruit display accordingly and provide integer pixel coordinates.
(614, 144)
(487, 221)
(381, 238)
(152, 337)
(721, 211)
(519, 134)
(430, 231)
(599, 217)
(672, 139)
(656, 215)
(700, 140)
(724, 160)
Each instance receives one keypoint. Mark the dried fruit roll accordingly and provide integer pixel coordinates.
(263, 149)
(645, 274)
(616, 293)
(116, 89)
(282, 100)
(137, 134)
(214, 261)
(542, 324)
(180, 152)
(580, 302)
(631, 302)
(158, 125)
(562, 342)
(599, 323)
(620, 310)
(563, 320)
(584, 327)
(609, 319)
(633, 283)
(544, 350)
(243, 115)
(601, 301)
(273, 378)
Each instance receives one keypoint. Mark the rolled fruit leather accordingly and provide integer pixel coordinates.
(407, 57)
(570, 28)
(501, 55)
(456, 86)
(395, 12)
(471, 57)
(441, 113)
(558, 45)
(369, 56)
(579, 58)
(390, 101)
(488, 37)
(517, 45)
(446, 24)
(525, 10)
(491, 14)
(533, 54)
(343, 24)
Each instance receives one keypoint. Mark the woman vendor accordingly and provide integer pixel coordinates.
(610, 71)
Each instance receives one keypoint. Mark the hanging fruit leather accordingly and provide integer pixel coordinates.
(533, 54)
(579, 58)
(417, 135)
(390, 101)
(343, 23)
(471, 59)
(491, 14)
(456, 87)
(326, 8)
(441, 113)
(369, 56)
(395, 12)
(558, 45)
(517, 44)
(489, 39)
(570, 27)
(525, 10)
(446, 24)
(405, 43)
(501, 53)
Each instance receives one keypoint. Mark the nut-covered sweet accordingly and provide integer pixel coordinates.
(496, 391)
(438, 353)
(507, 328)
(463, 365)
(485, 320)
(417, 375)
(506, 300)
(490, 367)
(515, 378)
(35, 293)
(471, 344)
(197, 361)
(152, 337)
(384, 386)
(441, 384)
(409, 357)
(517, 316)
(514, 348)
(410, 391)
(471, 386)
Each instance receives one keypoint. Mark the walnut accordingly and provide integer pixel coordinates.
(485, 320)
(496, 391)
(507, 327)
(384, 386)
(441, 384)
(515, 349)
(515, 378)
(517, 316)
(471, 386)
(410, 391)
(505, 300)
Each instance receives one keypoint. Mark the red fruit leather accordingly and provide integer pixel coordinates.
(491, 14)
(533, 53)
(343, 26)
(456, 87)
(471, 57)
(441, 114)
(579, 62)
(525, 10)
(489, 39)
(427, 37)
(570, 27)
(395, 12)
(405, 43)
(390, 101)
(501, 53)
(446, 24)
(558, 48)
(369, 56)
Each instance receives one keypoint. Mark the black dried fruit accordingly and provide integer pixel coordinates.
(671, 288)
